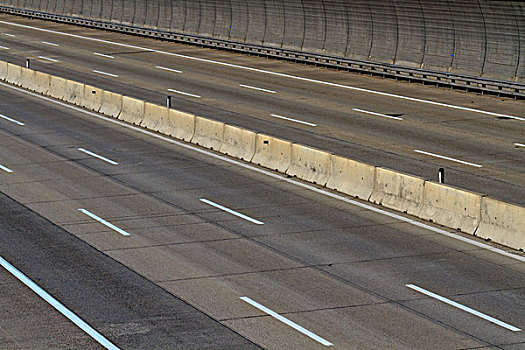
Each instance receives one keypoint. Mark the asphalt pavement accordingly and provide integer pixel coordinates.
(155, 242)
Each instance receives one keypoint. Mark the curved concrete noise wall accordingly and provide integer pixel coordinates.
(480, 38)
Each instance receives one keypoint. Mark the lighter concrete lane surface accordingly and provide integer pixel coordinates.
(369, 119)
(318, 266)
(60, 293)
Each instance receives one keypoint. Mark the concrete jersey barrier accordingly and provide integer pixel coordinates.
(57, 87)
(469, 212)
(238, 142)
(179, 125)
(503, 223)
(111, 104)
(208, 133)
(398, 191)
(74, 92)
(27, 78)
(154, 116)
(42, 81)
(132, 110)
(272, 153)
(14, 73)
(451, 207)
(351, 177)
(3, 70)
(310, 164)
(92, 98)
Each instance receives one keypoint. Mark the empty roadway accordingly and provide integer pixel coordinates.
(477, 149)
(308, 270)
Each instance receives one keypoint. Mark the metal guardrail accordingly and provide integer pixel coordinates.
(437, 78)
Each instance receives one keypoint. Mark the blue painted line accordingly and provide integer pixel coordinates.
(58, 305)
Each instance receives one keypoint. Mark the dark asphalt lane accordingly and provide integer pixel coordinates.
(338, 270)
(462, 135)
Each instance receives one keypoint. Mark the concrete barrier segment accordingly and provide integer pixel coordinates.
(351, 177)
(111, 104)
(57, 87)
(398, 191)
(451, 207)
(272, 153)
(132, 110)
(3, 70)
(179, 125)
(74, 92)
(208, 133)
(310, 164)
(14, 73)
(42, 82)
(92, 98)
(27, 78)
(154, 116)
(502, 222)
(238, 142)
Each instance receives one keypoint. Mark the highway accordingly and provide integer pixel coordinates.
(416, 129)
(241, 257)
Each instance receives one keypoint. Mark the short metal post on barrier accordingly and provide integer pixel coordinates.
(28, 63)
(168, 102)
(441, 176)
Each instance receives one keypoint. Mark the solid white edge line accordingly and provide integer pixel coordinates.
(183, 93)
(7, 170)
(283, 75)
(48, 43)
(97, 156)
(11, 120)
(448, 158)
(517, 144)
(293, 120)
(4, 47)
(104, 73)
(339, 197)
(286, 321)
(48, 59)
(103, 222)
(99, 338)
(169, 69)
(102, 55)
(233, 212)
(376, 114)
(257, 88)
(464, 308)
